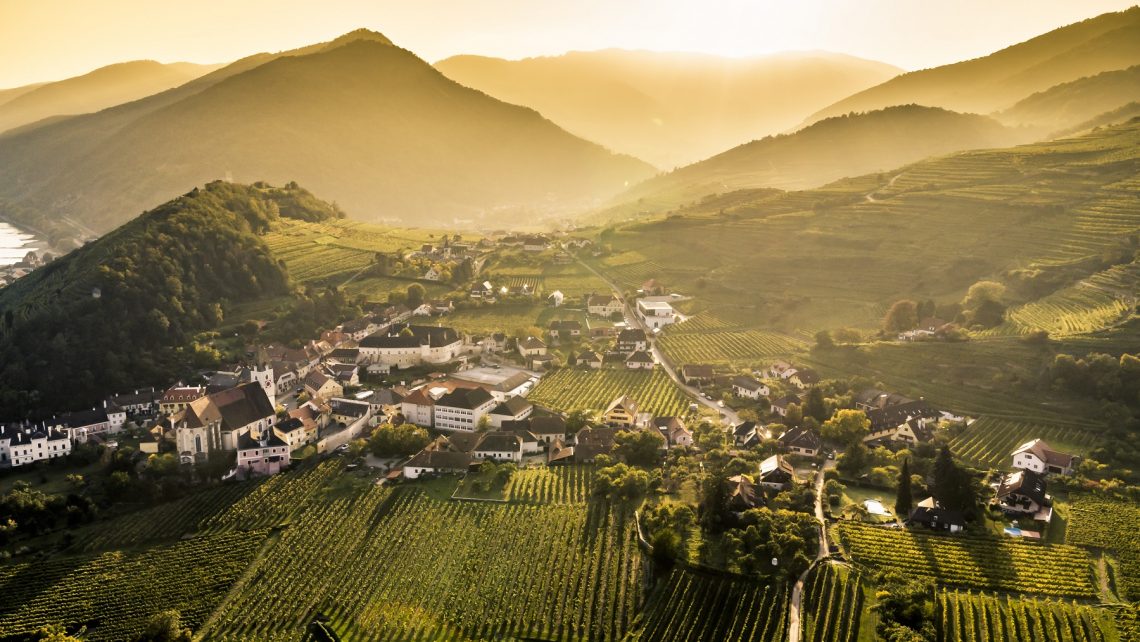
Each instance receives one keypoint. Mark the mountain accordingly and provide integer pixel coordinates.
(1072, 103)
(997, 81)
(359, 120)
(123, 310)
(102, 88)
(670, 108)
(824, 152)
(1120, 115)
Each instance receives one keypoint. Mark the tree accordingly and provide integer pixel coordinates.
(902, 316)
(165, 626)
(823, 340)
(815, 405)
(853, 460)
(416, 295)
(905, 607)
(983, 304)
(953, 487)
(847, 427)
(903, 500)
(398, 441)
(56, 633)
(638, 447)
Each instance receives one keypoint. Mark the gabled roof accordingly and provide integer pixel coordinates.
(747, 383)
(744, 428)
(589, 356)
(566, 324)
(742, 493)
(429, 335)
(591, 442)
(786, 400)
(548, 425)
(897, 415)
(776, 466)
(499, 441)
(624, 403)
(666, 424)
(245, 442)
(697, 371)
(290, 424)
(631, 335)
(465, 398)
(929, 513)
(1045, 453)
(419, 397)
(801, 437)
(242, 405)
(559, 452)
(807, 376)
(182, 394)
(316, 379)
(512, 407)
(640, 356)
(531, 343)
(463, 442)
(1023, 482)
(440, 460)
(602, 300)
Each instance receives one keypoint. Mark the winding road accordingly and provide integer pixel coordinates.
(728, 414)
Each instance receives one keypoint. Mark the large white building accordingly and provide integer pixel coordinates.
(219, 420)
(656, 314)
(21, 445)
(462, 409)
(404, 346)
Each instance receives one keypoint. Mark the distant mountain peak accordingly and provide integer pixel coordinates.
(361, 34)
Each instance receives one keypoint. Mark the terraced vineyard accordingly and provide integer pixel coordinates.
(988, 618)
(737, 347)
(1111, 524)
(114, 593)
(336, 249)
(989, 441)
(569, 484)
(690, 606)
(978, 562)
(572, 389)
(833, 603)
(402, 566)
(1098, 302)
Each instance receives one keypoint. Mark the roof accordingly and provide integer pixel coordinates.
(566, 324)
(290, 424)
(429, 335)
(531, 343)
(631, 335)
(440, 460)
(876, 397)
(1023, 482)
(742, 493)
(463, 442)
(349, 407)
(386, 397)
(640, 356)
(242, 405)
(801, 437)
(316, 379)
(1045, 453)
(559, 452)
(591, 442)
(82, 418)
(744, 428)
(807, 376)
(500, 442)
(345, 355)
(602, 300)
(668, 423)
(589, 356)
(899, 414)
(775, 465)
(182, 394)
(512, 407)
(928, 512)
(465, 398)
(624, 402)
(748, 383)
(548, 425)
(695, 371)
(270, 440)
(785, 401)
(419, 397)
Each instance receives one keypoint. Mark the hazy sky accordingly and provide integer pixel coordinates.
(52, 39)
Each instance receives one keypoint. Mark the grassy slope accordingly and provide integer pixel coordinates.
(1072, 103)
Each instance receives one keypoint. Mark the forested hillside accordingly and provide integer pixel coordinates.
(124, 310)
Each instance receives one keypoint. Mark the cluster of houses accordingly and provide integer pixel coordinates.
(10, 273)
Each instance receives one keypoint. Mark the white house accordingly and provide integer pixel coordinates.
(404, 346)
(432, 274)
(531, 347)
(513, 409)
(434, 462)
(499, 446)
(640, 360)
(605, 306)
(22, 445)
(656, 314)
(1039, 457)
(418, 407)
(749, 388)
(266, 455)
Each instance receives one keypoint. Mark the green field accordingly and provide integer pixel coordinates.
(970, 561)
(989, 618)
(570, 389)
(571, 484)
(832, 604)
(691, 606)
(1111, 524)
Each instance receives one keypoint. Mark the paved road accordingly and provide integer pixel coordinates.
(798, 589)
(631, 317)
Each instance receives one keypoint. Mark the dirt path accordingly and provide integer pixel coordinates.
(798, 589)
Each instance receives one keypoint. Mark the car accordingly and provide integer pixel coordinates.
(720, 404)
(343, 448)
(831, 455)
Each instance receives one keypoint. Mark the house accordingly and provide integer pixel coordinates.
(432, 274)
(266, 455)
(462, 409)
(565, 329)
(513, 409)
(499, 446)
(422, 310)
(531, 347)
(780, 406)
(556, 298)
(590, 359)
(1023, 493)
(418, 408)
(749, 388)
(24, 444)
(559, 453)
(591, 442)
(911, 422)
(540, 362)
(873, 398)
(84, 423)
(927, 327)
(357, 329)
(346, 374)
(776, 472)
(745, 434)
(621, 413)
(295, 433)
(780, 370)
(136, 403)
(803, 378)
(531, 444)
(603, 305)
(176, 398)
(344, 355)
(909, 433)
(801, 441)
(320, 385)
(547, 428)
(697, 375)
(742, 494)
(494, 343)
(929, 514)
(656, 314)
(404, 346)
(436, 462)
(632, 340)
(442, 306)
(483, 291)
(674, 431)
(349, 411)
(640, 360)
(1039, 457)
